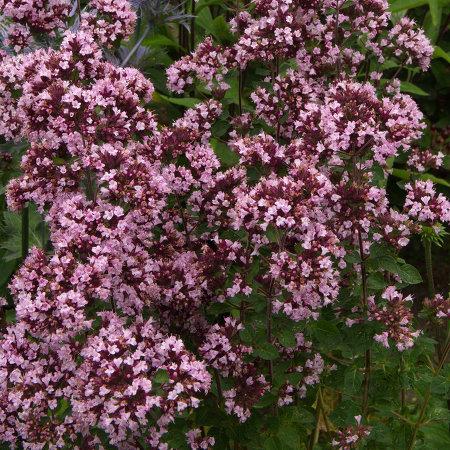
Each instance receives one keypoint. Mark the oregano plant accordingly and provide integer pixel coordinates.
(217, 259)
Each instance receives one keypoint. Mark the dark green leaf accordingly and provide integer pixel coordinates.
(266, 351)
(409, 274)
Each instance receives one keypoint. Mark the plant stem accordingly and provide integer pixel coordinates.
(269, 330)
(25, 231)
(336, 32)
(240, 90)
(79, 9)
(322, 406)
(367, 356)
(320, 410)
(402, 390)
(429, 267)
(219, 387)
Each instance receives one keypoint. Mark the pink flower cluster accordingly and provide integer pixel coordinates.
(109, 21)
(196, 441)
(31, 17)
(396, 318)
(351, 436)
(439, 306)
(220, 352)
(422, 160)
(424, 205)
(282, 29)
(249, 388)
(152, 229)
(112, 388)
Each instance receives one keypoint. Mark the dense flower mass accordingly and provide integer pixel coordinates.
(31, 17)
(184, 270)
(425, 205)
(395, 316)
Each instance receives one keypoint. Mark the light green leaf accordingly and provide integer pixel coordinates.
(440, 53)
(436, 11)
(226, 156)
(159, 40)
(220, 30)
(188, 102)
(407, 175)
(411, 88)
(161, 376)
(401, 5)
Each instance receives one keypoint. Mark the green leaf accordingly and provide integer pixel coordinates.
(272, 443)
(62, 409)
(440, 53)
(204, 19)
(220, 30)
(287, 338)
(12, 229)
(10, 316)
(436, 11)
(161, 376)
(188, 102)
(266, 351)
(431, 29)
(387, 263)
(407, 175)
(226, 156)
(159, 40)
(409, 274)
(401, 5)
(288, 434)
(411, 88)
(266, 400)
(204, 3)
(376, 281)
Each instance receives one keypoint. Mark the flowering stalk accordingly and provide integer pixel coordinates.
(429, 266)
(367, 355)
